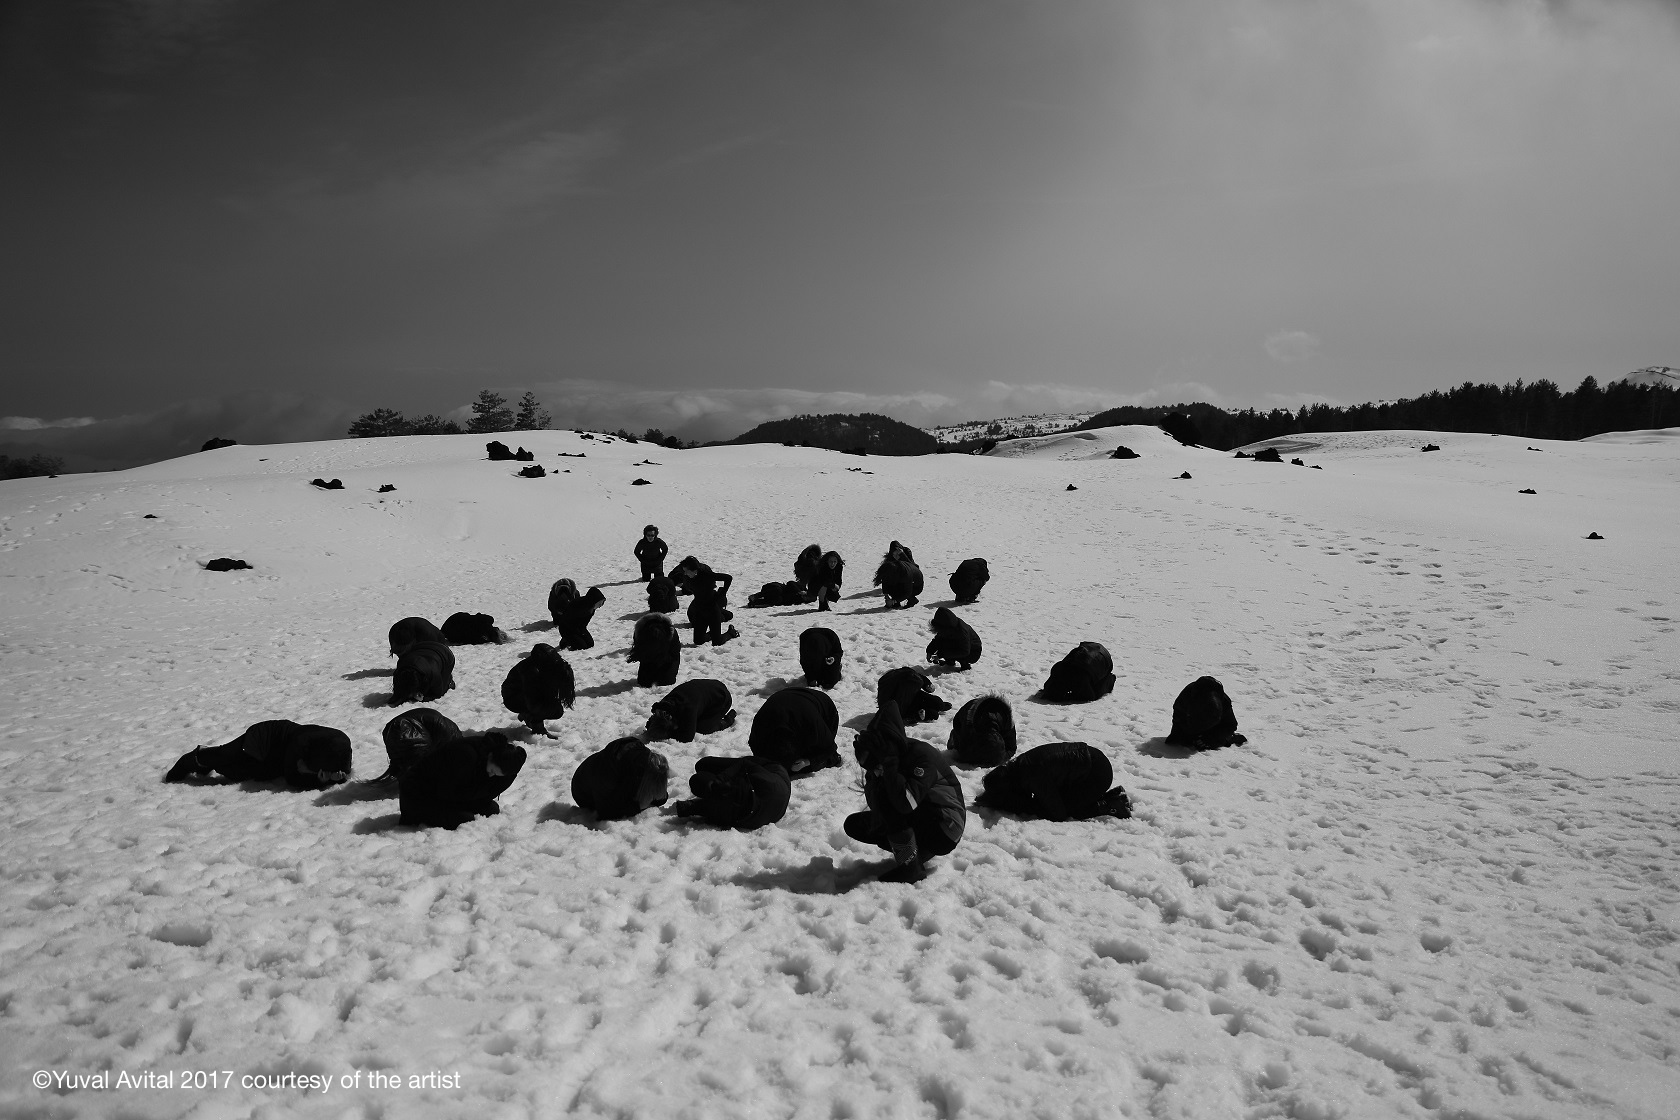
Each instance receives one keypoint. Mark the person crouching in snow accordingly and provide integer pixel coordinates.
(915, 802)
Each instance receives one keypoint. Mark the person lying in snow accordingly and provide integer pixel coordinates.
(459, 780)
(915, 803)
(1059, 782)
(698, 707)
(738, 793)
(795, 728)
(306, 755)
(463, 629)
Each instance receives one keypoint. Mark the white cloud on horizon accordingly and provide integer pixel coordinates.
(34, 423)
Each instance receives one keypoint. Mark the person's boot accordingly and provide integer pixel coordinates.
(912, 872)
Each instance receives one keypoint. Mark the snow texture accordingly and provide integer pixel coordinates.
(1439, 879)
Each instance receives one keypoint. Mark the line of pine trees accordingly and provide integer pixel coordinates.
(1537, 410)
(490, 414)
(32, 467)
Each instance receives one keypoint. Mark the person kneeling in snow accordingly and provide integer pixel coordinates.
(915, 802)
(459, 780)
(621, 779)
(1058, 782)
(738, 793)
(795, 729)
(307, 756)
(701, 706)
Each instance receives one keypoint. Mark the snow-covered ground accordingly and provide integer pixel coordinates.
(1008, 427)
(1439, 880)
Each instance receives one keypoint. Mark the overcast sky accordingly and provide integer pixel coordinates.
(698, 214)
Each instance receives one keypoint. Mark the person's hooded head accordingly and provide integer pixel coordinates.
(882, 739)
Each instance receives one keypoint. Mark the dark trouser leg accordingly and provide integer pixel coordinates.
(229, 761)
(931, 839)
(867, 828)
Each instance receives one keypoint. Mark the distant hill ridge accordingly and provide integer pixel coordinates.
(875, 434)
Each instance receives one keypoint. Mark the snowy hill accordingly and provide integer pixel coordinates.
(1655, 375)
(1439, 879)
(1008, 427)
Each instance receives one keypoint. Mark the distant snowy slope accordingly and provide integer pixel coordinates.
(1439, 880)
(1655, 375)
(1099, 443)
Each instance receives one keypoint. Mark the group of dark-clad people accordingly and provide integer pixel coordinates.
(914, 806)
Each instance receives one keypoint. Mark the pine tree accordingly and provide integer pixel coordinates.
(380, 422)
(531, 415)
(490, 413)
(432, 424)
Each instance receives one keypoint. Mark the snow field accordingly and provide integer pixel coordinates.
(1438, 880)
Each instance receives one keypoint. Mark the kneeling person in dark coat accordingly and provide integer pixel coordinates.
(1202, 717)
(406, 631)
(796, 728)
(656, 649)
(1059, 782)
(574, 618)
(1085, 674)
(307, 756)
(954, 641)
(621, 779)
(915, 802)
(983, 732)
(459, 780)
(971, 575)
(539, 687)
(900, 582)
(661, 594)
(425, 671)
(411, 736)
(701, 706)
(819, 656)
(739, 793)
(463, 629)
(912, 691)
(708, 610)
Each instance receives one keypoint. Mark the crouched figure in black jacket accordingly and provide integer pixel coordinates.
(915, 803)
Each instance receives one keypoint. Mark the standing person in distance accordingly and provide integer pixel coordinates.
(650, 550)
